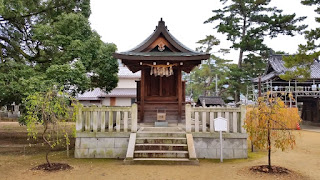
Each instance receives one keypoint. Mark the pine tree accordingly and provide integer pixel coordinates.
(202, 80)
(307, 53)
(247, 23)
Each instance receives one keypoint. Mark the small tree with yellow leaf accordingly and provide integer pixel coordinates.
(270, 124)
(50, 108)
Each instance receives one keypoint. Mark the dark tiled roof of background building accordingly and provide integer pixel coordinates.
(210, 100)
(277, 64)
(97, 94)
(121, 92)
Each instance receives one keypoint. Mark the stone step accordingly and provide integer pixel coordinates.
(161, 140)
(160, 154)
(163, 147)
(164, 161)
(161, 134)
(161, 159)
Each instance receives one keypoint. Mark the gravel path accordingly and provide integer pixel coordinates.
(303, 160)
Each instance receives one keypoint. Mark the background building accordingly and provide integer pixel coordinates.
(123, 95)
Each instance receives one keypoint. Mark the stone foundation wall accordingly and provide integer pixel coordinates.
(207, 145)
(101, 145)
(114, 145)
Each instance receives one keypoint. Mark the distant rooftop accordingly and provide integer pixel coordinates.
(124, 72)
(98, 94)
(276, 67)
(210, 100)
(90, 95)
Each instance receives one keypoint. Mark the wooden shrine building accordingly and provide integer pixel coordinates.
(306, 94)
(161, 58)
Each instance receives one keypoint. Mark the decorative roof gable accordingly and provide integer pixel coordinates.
(161, 36)
(161, 47)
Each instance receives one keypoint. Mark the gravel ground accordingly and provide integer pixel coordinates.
(303, 161)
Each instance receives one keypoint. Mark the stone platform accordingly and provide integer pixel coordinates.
(115, 144)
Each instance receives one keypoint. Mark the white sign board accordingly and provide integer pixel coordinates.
(220, 124)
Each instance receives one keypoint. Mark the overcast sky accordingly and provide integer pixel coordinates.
(127, 23)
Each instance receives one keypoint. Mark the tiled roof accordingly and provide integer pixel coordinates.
(161, 28)
(121, 92)
(162, 53)
(266, 77)
(97, 93)
(90, 95)
(211, 100)
(124, 72)
(277, 64)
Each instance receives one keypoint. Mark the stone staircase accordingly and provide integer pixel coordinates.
(161, 145)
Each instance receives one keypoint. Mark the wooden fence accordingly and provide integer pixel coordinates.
(200, 119)
(107, 119)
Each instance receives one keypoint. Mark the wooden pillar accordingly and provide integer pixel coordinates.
(142, 94)
(317, 111)
(179, 83)
(290, 99)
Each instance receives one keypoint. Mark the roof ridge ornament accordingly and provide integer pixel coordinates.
(161, 23)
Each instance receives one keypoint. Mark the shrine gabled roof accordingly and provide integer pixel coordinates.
(143, 53)
(179, 56)
(276, 68)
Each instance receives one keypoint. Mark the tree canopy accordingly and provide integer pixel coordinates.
(247, 22)
(270, 124)
(307, 53)
(51, 42)
(202, 78)
(50, 108)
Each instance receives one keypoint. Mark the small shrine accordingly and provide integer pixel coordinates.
(161, 58)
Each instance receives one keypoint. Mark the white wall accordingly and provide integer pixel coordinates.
(120, 101)
(106, 101)
(88, 103)
(123, 101)
(127, 83)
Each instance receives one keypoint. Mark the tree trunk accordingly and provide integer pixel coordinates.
(240, 58)
(47, 142)
(236, 96)
(269, 147)
(47, 154)
(244, 28)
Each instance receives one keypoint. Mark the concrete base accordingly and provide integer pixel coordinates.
(106, 145)
(115, 145)
(207, 145)
(161, 124)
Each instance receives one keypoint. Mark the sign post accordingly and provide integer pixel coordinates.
(220, 124)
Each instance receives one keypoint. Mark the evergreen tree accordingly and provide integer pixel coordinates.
(202, 78)
(246, 23)
(51, 42)
(306, 54)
